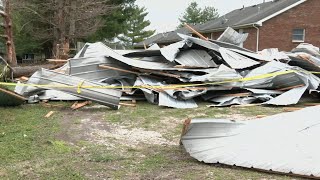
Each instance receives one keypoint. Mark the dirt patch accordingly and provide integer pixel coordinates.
(236, 117)
(83, 126)
(3, 173)
(130, 137)
(78, 125)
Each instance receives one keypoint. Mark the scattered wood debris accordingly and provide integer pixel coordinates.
(49, 114)
(78, 105)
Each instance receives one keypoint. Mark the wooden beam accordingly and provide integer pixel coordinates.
(196, 32)
(160, 73)
(57, 60)
(118, 69)
(127, 104)
(291, 87)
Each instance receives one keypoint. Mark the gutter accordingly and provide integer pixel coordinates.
(224, 28)
(258, 37)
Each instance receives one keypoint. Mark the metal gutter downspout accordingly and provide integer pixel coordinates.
(258, 37)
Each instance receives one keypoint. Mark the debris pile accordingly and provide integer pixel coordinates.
(217, 71)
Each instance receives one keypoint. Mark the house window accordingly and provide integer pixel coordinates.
(298, 35)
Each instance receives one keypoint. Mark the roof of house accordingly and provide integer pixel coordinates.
(256, 14)
(163, 38)
(239, 18)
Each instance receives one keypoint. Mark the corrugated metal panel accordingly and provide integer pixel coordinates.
(55, 95)
(100, 50)
(235, 60)
(168, 101)
(195, 58)
(233, 37)
(218, 74)
(200, 42)
(290, 97)
(171, 51)
(88, 68)
(282, 143)
(97, 50)
(227, 101)
(106, 97)
(9, 98)
(163, 98)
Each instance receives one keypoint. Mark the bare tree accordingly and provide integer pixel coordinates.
(63, 21)
(8, 32)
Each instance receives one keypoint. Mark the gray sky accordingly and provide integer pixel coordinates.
(164, 14)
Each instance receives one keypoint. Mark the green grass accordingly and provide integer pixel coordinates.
(31, 146)
(27, 142)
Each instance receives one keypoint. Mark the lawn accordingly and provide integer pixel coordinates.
(97, 143)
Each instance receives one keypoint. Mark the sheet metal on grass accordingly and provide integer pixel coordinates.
(284, 143)
(9, 98)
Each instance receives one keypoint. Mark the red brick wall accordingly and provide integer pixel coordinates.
(277, 32)
(215, 35)
(251, 42)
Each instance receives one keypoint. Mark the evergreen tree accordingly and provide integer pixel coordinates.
(136, 24)
(114, 23)
(209, 13)
(195, 15)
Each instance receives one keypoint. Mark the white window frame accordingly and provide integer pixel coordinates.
(304, 35)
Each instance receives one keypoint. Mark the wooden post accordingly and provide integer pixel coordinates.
(6, 14)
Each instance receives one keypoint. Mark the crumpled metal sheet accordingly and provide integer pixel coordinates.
(101, 50)
(235, 60)
(274, 82)
(228, 101)
(9, 98)
(108, 97)
(200, 42)
(55, 95)
(171, 51)
(305, 61)
(253, 55)
(283, 143)
(274, 54)
(290, 97)
(218, 74)
(233, 37)
(168, 101)
(88, 68)
(195, 58)
(307, 48)
(162, 98)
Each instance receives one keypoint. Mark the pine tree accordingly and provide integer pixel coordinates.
(194, 14)
(114, 23)
(136, 25)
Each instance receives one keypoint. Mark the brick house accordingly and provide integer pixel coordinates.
(279, 24)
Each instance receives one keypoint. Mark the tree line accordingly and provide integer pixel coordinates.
(52, 27)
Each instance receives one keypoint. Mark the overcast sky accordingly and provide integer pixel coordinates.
(164, 14)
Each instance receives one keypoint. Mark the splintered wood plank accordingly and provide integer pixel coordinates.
(49, 114)
(78, 105)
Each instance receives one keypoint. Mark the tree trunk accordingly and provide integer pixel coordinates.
(11, 53)
(29, 70)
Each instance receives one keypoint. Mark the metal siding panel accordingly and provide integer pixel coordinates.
(261, 143)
